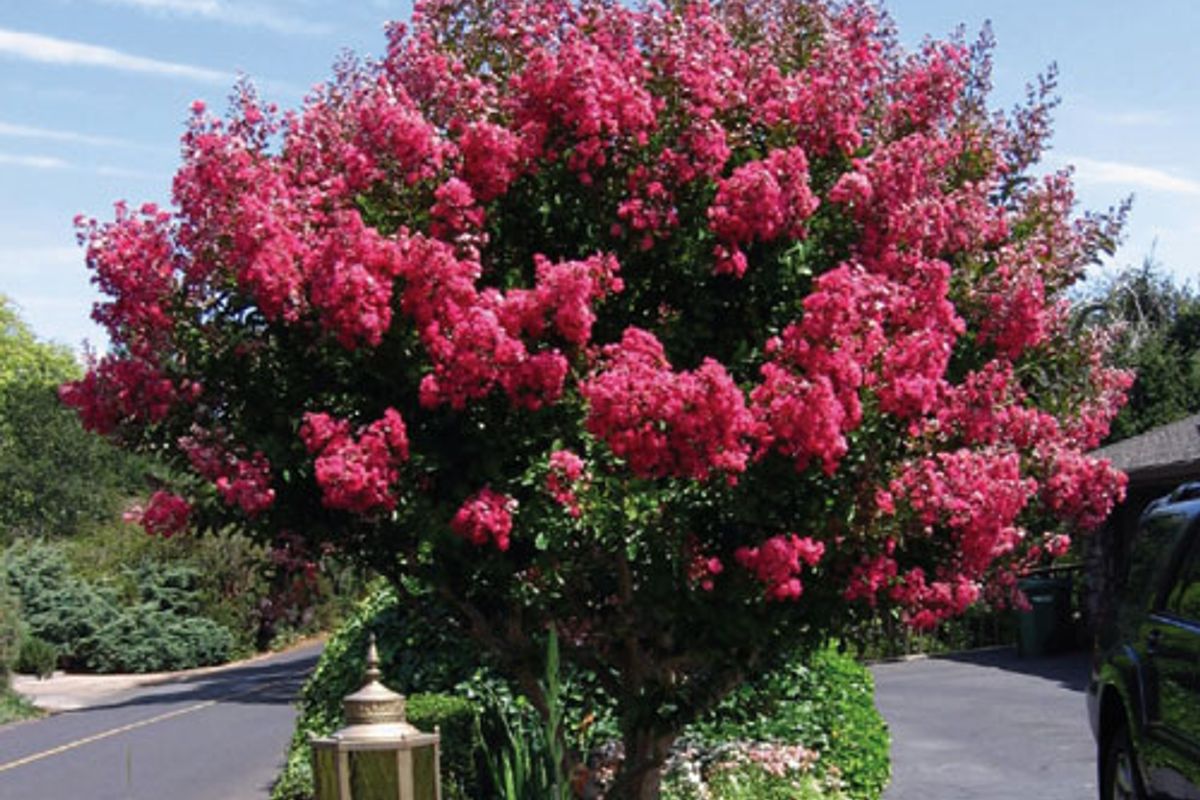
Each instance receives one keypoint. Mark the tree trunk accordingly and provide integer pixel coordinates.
(640, 775)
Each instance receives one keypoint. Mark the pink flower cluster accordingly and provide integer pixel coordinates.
(356, 474)
(989, 408)
(350, 275)
(968, 501)
(584, 96)
(242, 482)
(976, 494)
(926, 604)
(123, 391)
(824, 103)
(777, 563)
(474, 338)
(485, 516)
(166, 514)
(703, 570)
(1082, 489)
(874, 573)
(923, 95)
(667, 423)
(566, 470)
(809, 397)
(489, 159)
(134, 262)
(760, 201)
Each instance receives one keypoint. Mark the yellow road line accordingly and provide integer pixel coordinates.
(96, 737)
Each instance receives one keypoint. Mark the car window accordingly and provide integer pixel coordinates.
(1183, 597)
(1157, 540)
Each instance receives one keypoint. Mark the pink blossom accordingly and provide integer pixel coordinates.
(667, 423)
(565, 470)
(356, 474)
(165, 514)
(761, 201)
(777, 563)
(485, 516)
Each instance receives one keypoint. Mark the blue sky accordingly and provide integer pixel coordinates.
(93, 95)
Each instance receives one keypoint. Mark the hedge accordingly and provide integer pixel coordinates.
(417, 649)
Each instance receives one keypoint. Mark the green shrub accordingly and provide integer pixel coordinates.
(218, 576)
(456, 718)
(157, 629)
(14, 707)
(37, 657)
(145, 639)
(10, 631)
(165, 629)
(57, 606)
(418, 649)
(826, 703)
(223, 575)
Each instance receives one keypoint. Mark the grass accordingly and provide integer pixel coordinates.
(14, 707)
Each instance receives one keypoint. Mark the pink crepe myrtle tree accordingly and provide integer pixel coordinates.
(689, 330)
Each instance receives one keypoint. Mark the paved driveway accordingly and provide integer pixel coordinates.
(988, 726)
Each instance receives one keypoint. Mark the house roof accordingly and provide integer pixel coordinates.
(1168, 452)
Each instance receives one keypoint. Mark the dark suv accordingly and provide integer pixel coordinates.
(1144, 694)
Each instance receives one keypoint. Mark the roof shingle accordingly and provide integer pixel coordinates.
(1159, 452)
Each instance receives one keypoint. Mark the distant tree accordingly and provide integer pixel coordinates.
(55, 477)
(1158, 336)
(24, 359)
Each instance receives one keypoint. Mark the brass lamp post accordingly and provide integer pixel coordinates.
(378, 755)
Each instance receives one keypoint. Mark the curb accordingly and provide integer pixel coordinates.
(75, 691)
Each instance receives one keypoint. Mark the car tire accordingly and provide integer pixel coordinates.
(1120, 779)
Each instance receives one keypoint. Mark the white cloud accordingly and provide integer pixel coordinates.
(49, 50)
(239, 13)
(46, 134)
(55, 163)
(123, 172)
(34, 162)
(1134, 118)
(1131, 176)
(40, 257)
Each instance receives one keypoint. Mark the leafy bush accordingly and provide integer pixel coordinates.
(14, 707)
(57, 606)
(457, 719)
(92, 629)
(825, 703)
(37, 657)
(233, 581)
(418, 649)
(163, 629)
(142, 639)
(56, 479)
(10, 631)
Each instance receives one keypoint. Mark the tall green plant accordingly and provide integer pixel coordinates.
(525, 754)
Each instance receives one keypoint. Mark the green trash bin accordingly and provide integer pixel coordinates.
(1045, 627)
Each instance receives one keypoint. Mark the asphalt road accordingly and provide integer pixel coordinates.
(988, 726)
(220, 736)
